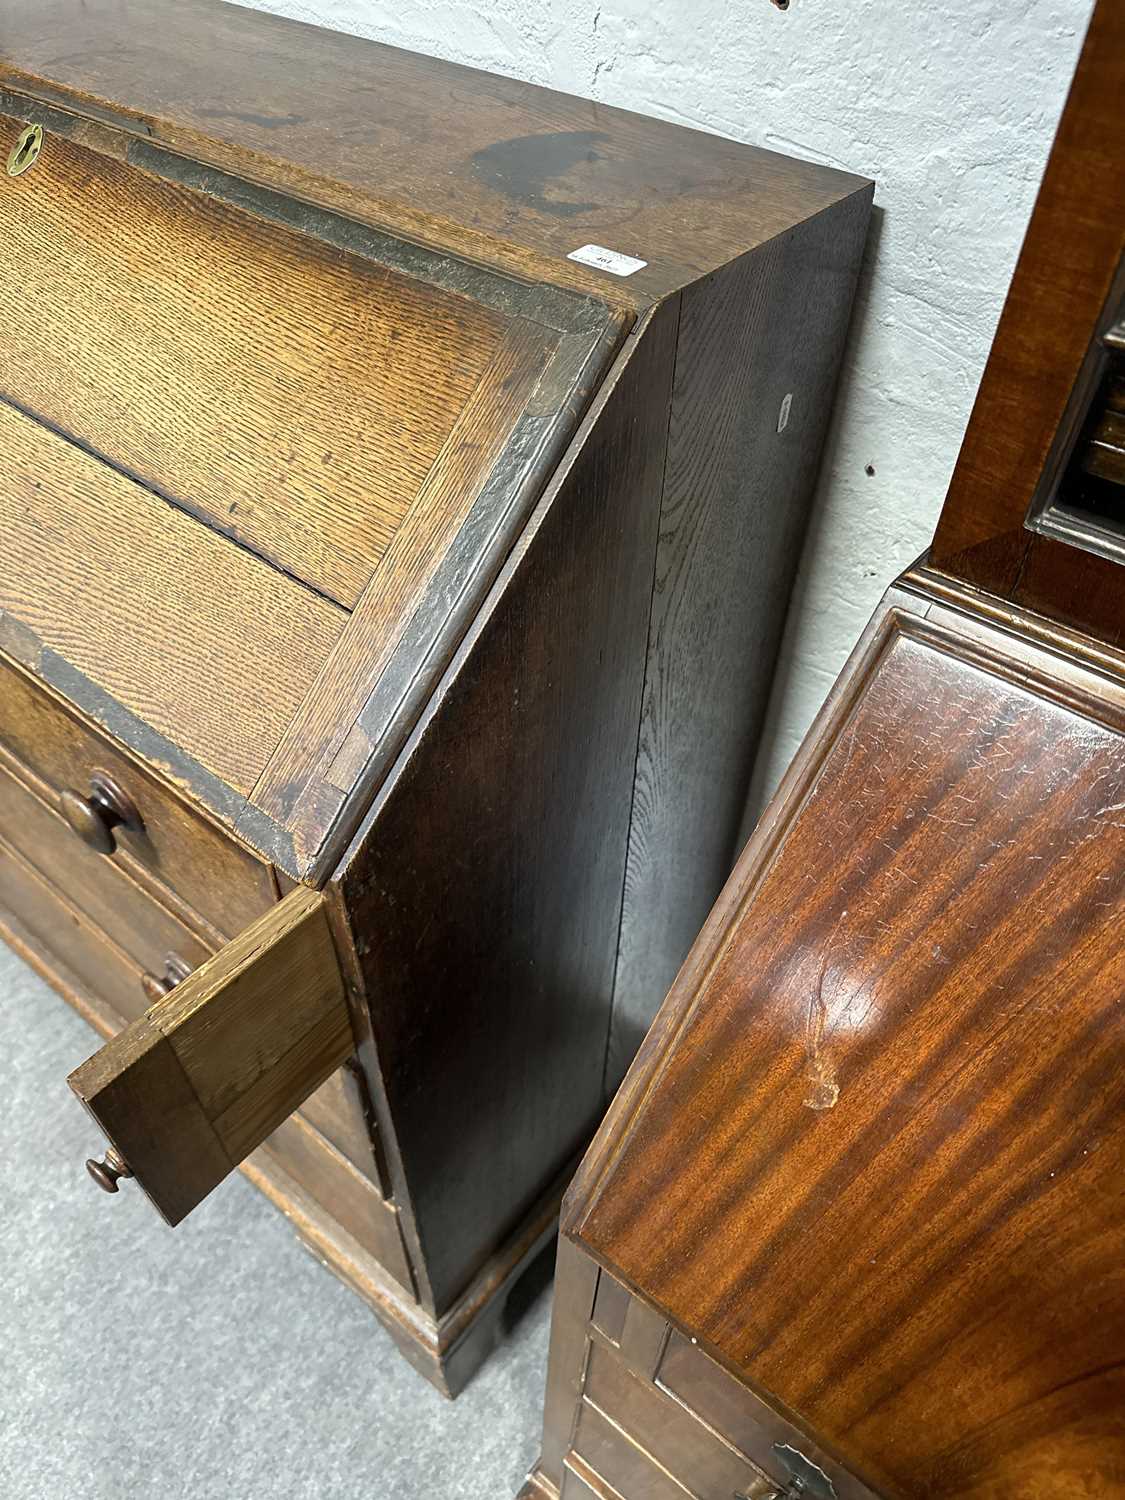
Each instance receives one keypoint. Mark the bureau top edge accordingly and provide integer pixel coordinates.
(485, 167)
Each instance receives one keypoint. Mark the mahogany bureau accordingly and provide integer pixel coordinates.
(402, 474)
(855, 1222)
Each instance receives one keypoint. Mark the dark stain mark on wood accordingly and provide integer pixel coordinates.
(534, 169)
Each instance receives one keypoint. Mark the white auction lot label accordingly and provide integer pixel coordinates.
(607, 260)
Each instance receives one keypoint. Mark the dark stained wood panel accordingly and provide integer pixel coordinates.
(513, 802)
(211, 647)
(752, 338)
(491, 167)
(881, 1171)
(293, 395)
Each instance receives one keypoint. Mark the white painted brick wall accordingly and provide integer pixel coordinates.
(949, 104)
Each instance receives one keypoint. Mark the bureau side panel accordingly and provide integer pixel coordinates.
(759, 350)
(484, 890)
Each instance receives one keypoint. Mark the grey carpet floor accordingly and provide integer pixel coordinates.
(217, 1360)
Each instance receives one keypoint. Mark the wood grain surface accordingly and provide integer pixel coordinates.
(37, 920)
(874, 1156)
(1069, 259)
(340, 1111)
(131, 917)
(631, 1401)
(213, 882)
(348, 1198)
(293, 395)
(314, 769)
(208, 645)
(768, 329)
(206, 1074)
(491, 167)
(483, 894)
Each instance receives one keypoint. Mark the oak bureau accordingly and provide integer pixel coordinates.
(402, 474)
(855, 1223)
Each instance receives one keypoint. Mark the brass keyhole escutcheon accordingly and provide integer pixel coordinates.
(25, 153)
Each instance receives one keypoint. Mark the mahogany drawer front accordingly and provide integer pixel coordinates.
(77, 953)
(733, 1411)
(574, 1487)
(222, 880)
(139, 925)
(673, 1438)
(619, 1461)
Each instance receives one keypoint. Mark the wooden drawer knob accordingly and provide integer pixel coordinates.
(94, 818)
(107, 1171)
(156, 986)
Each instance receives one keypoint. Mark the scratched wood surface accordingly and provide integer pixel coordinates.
(878, 1166)
(293, 395)
(491, 167)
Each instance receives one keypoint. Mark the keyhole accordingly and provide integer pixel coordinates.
(25, 151)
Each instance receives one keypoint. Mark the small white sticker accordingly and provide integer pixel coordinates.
(783, 414)
(607, 260)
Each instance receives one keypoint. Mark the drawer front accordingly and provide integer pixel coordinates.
(576, 1488)
(81, 959)
(132, 919)
(338, 1112)
(221, 880)
(657, 1415)
(703, 1387)
(86, 917)
(346, 1195)
(218, 1064)
(671, 1437)
(620, 1462)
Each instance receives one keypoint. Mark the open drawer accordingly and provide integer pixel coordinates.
(191, 1087)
